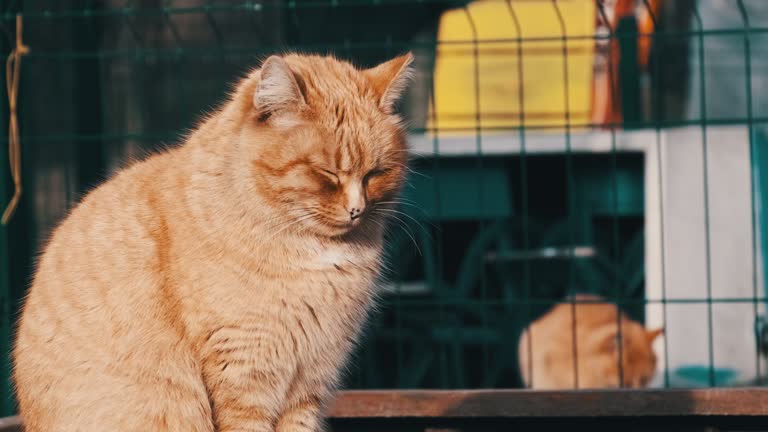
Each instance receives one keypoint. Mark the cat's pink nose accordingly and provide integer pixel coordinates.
(355, 213)
(355, 200)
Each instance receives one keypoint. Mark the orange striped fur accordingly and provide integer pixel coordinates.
(220, 285)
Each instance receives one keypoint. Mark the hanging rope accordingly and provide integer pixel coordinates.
(12, 70)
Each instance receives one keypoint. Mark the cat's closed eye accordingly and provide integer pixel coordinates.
(374, 173)
(329, 175)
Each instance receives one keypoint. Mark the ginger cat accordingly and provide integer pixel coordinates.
(221, 285)
(549, 357)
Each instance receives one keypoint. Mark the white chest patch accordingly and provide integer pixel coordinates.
(328, 258)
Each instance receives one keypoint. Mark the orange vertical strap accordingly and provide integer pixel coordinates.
(607, 109)
(12, 71)
(646, 29)
(623, 8)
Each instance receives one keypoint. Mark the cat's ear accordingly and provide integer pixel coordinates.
(390, 79)
(278, 90)
(651, 335)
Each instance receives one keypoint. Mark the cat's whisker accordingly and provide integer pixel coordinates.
(402, 198)
(381, 220)
(412, 205)
(382, 225)
(384, 264)
(411, 170)
(287, 226)
(401, 202)
(398, 212)
(402, 224)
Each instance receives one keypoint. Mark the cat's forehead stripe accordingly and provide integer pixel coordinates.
(351, 151)
(346, 160)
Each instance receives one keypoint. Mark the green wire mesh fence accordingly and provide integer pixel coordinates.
(559, 147)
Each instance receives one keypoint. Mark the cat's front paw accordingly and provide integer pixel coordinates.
(300, 420)
(266, 427)
(235, 423)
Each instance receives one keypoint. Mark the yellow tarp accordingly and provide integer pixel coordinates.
(490, 65)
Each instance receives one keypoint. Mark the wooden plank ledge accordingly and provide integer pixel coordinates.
(10, 424)
(522, 404)
(749, 402)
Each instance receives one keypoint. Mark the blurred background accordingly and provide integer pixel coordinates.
(558, 146)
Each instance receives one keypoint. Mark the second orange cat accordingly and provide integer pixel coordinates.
(547, 348)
